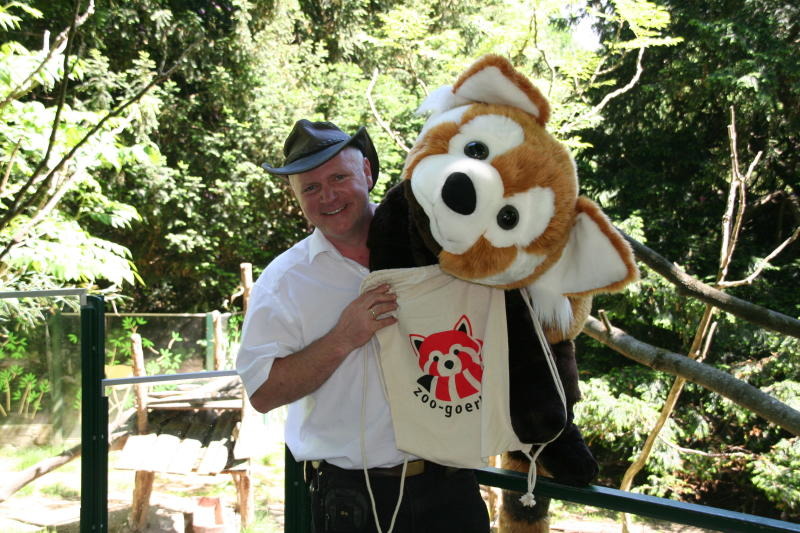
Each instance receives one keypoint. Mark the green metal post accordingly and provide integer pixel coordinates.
(297, 502)
(94, 419)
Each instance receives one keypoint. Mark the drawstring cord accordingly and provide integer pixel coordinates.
(528, 499)
(364, 460)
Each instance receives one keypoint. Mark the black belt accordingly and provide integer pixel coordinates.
(413, 468)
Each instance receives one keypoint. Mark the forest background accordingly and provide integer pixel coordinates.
(150, 188)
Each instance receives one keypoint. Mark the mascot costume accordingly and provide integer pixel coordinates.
(492, 198)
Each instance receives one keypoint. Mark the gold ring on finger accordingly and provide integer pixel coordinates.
(372, 312)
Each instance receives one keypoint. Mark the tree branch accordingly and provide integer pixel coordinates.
(687, 285)
(386, 127)
(711, 378)
(10, 166)
(60, 42)
(15, 482)
(690, 451)
(18, 205)
(19, 236)
(542, 52)
(613, 94)
(762, 264)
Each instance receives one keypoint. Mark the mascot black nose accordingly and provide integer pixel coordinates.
(458, 193)
(449, 365)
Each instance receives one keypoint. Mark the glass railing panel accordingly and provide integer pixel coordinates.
(40, 410)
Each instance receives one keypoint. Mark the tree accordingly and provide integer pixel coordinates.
(53, 205)
(669, 135)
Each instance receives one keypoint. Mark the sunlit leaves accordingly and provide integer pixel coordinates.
(777, 473)
(69, 254)
(52, 240)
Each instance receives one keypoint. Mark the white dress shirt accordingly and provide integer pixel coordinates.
(295, 301)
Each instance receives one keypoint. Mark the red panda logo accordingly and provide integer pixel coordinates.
(451, 361)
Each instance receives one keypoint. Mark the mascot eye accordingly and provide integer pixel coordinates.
(435, 358)
(508, 217)
(476, 150)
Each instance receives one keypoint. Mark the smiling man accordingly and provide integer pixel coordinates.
(308, 341)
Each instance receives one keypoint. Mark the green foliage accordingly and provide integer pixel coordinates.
(17, 385)
(121, 351)
(777, 473)
(62, 492)
(618, 422)
(24, 388)
(54, 198)
(13, 346)
(168, 360)
(207, 205)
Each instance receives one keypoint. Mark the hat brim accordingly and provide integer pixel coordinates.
(360, 140)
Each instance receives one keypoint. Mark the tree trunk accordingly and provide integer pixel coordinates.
(20, 479)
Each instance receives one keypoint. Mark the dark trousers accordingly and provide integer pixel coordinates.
(439, 500)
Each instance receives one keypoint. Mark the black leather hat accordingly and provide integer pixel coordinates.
(310, 144)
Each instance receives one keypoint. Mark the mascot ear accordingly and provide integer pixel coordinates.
(595, 259)
(490, 80)
(493, 80)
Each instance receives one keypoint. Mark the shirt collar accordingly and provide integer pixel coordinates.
(318, 244)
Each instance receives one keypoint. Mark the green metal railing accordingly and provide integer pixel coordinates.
(94, 470)
(298, 519)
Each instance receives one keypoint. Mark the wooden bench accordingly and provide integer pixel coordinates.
(208, 429)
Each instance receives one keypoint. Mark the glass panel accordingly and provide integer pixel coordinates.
(40, 418)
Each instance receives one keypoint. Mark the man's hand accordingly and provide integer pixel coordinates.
(364, 316)
(303, 372)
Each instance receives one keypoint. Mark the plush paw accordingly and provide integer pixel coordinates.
(568, 460)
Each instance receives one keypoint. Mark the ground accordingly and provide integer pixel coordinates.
(51, 503)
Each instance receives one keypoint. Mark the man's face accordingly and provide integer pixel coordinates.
(335, 196)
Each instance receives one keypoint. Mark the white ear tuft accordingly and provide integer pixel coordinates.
(490, 85)
(440, 100)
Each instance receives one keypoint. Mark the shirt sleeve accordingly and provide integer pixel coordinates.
(270, 330)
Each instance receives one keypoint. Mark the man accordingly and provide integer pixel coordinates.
(308, 341)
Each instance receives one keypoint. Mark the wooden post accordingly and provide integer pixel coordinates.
(244, 492)
(137, 355)
(143, 485)
(246, 270)
(244, 449)
(244, 496)
(219, 341)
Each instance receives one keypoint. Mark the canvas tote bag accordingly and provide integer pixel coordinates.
(444, 367)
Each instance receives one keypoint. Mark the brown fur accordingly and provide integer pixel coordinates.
(435, 142)
(508, 523)
(540, 161)
(480, 261)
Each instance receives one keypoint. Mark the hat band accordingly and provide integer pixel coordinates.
(322, 146)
